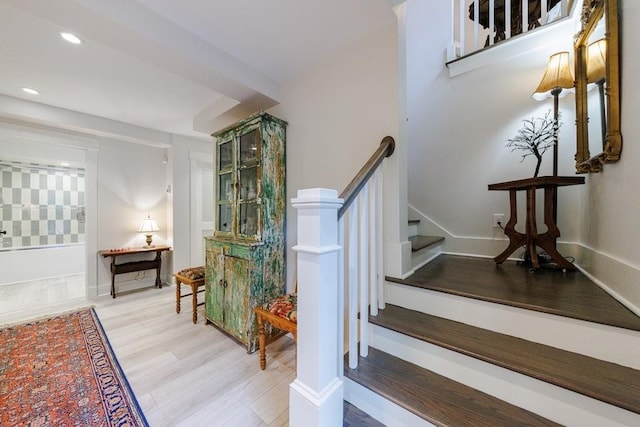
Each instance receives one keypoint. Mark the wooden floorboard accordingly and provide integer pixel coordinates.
(435, 398)
(549, 291)
(608, 382)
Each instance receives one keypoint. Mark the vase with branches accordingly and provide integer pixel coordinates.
(536, 136)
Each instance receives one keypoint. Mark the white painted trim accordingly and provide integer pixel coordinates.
(320, 397)
(317, 250)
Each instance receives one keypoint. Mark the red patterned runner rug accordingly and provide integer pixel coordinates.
(62, 371)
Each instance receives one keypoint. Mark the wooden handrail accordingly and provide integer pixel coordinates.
(386, 148)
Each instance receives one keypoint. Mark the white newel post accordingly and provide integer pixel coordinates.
(316, 395)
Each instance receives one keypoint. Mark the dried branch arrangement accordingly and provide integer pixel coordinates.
(536, 136)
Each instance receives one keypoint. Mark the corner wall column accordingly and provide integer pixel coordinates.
(316, 395)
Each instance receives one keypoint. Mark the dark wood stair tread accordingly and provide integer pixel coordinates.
(414, 221)
(433, 397)
(355, 417)
(605, 381)
(421, 242)
(548, 291)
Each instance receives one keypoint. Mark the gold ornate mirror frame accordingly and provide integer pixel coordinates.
(593, 11)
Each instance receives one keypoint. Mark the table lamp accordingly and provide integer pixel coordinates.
(147, 227)
(557, 76)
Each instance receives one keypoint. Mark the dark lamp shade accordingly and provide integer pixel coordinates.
(557, 75)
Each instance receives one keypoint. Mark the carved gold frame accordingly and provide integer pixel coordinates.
(593, 11)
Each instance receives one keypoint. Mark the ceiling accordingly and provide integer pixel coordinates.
(182, 67)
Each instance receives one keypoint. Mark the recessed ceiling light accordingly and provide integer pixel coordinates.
(30, 91)
(71, 38)
(65, 164)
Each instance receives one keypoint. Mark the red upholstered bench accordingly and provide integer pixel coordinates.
(194, 277)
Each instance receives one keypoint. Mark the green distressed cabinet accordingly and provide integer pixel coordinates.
(245, 257)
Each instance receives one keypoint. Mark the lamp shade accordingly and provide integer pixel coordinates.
(557, 75)
(596, 60)
(148, 225)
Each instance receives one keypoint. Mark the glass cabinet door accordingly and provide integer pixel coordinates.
(225, 187)
(238, 173)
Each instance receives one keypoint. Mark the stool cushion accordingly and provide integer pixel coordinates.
(193, 273)
(285, 306)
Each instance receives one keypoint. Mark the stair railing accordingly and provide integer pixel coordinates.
(491, 21)
(361, 268)
(325, 223)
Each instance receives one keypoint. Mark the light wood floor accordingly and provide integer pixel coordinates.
(185, 374)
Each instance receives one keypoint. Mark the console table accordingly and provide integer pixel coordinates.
(530, 239)
(128, 267)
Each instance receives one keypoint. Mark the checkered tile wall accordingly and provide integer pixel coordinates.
(41, 205)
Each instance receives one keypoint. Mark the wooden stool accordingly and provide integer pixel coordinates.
(194, 277)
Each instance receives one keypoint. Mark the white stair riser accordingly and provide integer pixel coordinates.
(414, 230)
(552, 402)
(602, 342)
(424, 256)
(378, 407)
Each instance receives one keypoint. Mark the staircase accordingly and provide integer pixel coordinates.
(463, 342)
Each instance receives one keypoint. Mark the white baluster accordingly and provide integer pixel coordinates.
(341, 274)
(525, 16)
(461, 22)
(543, 13)
(476, 25)
(491, 21)
(353, 285)
(380, 232)
(507, 19)
(363, 268)
(373, 245)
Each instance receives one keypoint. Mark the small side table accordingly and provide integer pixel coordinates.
(193, 277)
(128, 267)
(530, 239)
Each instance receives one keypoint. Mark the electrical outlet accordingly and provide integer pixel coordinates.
(498, 220)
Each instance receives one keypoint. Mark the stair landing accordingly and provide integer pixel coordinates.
(570, 294)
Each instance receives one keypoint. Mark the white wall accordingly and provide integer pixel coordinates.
(338, 113)
(182, 152)
(132, 180)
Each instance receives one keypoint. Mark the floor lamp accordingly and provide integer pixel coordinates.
(557, 76)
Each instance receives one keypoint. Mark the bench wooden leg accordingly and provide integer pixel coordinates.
(194, 301)
(261, 341)
(177, 295)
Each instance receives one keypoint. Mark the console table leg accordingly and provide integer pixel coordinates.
(113, 277)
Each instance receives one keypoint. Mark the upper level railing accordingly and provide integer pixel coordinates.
(339, 254)
(483, 23)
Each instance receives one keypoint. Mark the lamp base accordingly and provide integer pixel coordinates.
(149, 245)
